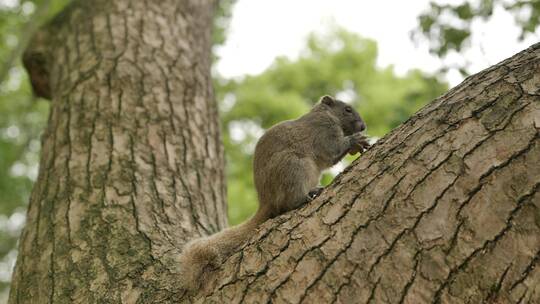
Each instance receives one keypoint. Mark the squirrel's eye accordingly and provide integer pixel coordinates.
(348, 109)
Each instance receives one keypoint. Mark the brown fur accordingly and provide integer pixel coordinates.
(288, 162)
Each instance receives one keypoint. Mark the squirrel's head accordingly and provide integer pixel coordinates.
(350, 120)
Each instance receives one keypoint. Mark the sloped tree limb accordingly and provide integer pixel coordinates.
(444, 209)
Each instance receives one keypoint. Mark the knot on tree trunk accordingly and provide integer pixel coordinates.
(36, 65)
(36, 61)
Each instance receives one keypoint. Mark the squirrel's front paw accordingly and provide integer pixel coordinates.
(359, 143)
(314, 193)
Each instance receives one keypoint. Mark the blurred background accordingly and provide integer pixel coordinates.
(273, 60)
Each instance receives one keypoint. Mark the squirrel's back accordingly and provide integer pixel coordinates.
(287, 165)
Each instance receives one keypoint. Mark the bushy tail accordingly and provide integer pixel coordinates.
(202, 255)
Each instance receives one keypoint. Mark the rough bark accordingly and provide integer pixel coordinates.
(132, 162)
(444, 209)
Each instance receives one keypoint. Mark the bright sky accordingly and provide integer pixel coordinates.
(261, 30)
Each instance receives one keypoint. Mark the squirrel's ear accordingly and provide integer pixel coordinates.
(327, 100)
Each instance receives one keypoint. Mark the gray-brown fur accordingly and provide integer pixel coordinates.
(288, 162)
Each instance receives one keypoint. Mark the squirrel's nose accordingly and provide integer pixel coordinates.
(361, 126)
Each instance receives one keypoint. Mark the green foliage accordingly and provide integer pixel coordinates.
(222, 18)
(340, 63)
(447, 27)
(21, 122)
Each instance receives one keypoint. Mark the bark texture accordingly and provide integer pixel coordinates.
(132, 162)
(444, 209)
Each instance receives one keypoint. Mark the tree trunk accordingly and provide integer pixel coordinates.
(444, 209)
(132, 162)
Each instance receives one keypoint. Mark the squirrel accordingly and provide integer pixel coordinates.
(287, 165)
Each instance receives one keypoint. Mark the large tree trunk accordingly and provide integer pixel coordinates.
(132, 162)
(445, 209)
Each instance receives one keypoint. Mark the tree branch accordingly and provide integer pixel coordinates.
(432, 212)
